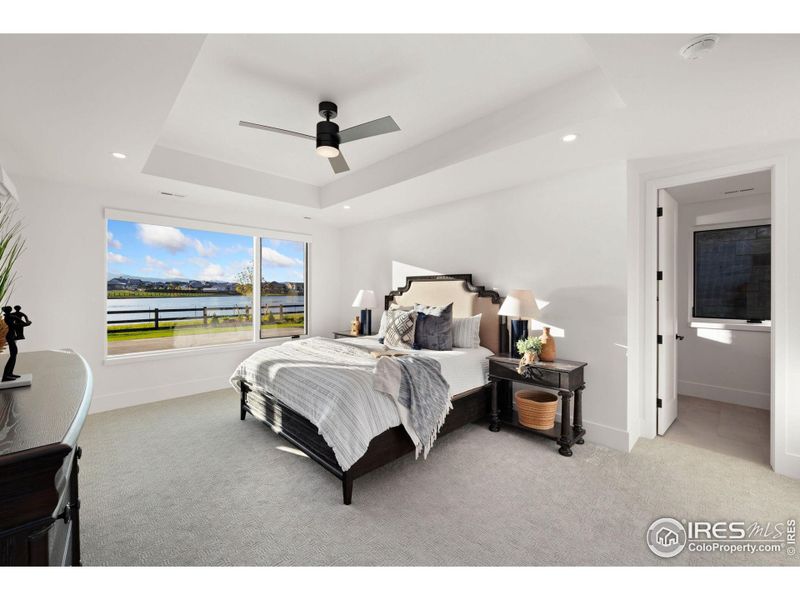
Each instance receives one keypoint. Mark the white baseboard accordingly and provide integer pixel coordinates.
(157, 393)
(724, 394)
(604, 435)
(787, 464)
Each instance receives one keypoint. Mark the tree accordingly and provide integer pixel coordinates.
(244, 282)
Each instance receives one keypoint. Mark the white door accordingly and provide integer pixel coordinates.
(667, 308)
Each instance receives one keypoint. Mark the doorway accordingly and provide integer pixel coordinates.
(714, 363)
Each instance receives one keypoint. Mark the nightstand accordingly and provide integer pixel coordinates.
(346, 334)
(562, 376)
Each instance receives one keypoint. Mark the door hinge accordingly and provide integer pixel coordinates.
(658, 403)
(660, 211)
(660, 275)
(660, 339)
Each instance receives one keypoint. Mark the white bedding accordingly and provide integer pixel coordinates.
(331, 383)
(463, 368)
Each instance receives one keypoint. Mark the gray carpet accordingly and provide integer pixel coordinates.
(184, 482)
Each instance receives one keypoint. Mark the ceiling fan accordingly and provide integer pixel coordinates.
(329, 137)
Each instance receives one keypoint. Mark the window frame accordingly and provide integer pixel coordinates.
(255, 233)
(713, 322)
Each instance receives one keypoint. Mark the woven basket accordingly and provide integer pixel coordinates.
(536, 409)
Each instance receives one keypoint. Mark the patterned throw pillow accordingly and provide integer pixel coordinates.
(400, 326)
(434, 327)
(385, 317)
(466, 332)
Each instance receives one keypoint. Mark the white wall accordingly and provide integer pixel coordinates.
(564, 238)
(726, 365)
(62, 285)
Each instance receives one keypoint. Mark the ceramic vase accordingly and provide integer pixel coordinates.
(548, 351)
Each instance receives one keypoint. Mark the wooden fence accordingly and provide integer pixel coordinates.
(158, 316)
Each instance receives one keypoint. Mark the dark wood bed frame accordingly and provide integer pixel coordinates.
(392, 443)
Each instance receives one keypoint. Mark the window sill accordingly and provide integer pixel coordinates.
(764, 327)
(122, 359)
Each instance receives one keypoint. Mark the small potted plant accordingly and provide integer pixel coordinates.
(529, 349)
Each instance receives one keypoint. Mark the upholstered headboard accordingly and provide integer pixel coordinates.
(468, 299)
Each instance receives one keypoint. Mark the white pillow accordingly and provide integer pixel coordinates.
(466, 332)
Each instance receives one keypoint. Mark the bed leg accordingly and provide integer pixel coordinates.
(243, 396)
(347, 488)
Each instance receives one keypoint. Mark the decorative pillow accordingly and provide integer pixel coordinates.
(466, 332)
(400, 326)
(434, 327)
(384, 320)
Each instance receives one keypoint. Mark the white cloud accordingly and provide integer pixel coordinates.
(276, 259)
(171, 239)
(112, 242)
(172, 273)
(154, 263)
(238, 248)
(208, 249)
(117, 258)
(212, 272)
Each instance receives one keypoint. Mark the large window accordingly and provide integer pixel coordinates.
(283, 282)
(732, 273)
(174, 287)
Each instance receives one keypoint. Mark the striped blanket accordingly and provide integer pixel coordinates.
(330, 383)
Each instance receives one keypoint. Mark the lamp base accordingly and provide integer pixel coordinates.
(519, 331)
(366, 321)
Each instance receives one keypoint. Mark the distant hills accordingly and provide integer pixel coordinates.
(151, 279)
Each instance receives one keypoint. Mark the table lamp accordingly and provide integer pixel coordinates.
(365, 300)
(521, 306)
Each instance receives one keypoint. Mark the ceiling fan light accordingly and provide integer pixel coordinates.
(328, 151)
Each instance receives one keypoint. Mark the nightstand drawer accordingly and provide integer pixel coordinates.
(542, 374)
(538, 376)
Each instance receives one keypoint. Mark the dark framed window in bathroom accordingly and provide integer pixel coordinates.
(732, 277)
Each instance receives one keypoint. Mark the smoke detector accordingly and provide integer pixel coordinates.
(700, 46)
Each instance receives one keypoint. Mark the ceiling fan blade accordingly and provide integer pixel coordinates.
(368, 129)
(339, 164)
(276, 130)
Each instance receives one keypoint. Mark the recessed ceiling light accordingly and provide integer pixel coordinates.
(570, 137)
(700, 46)
(346, 207)
(119, 155)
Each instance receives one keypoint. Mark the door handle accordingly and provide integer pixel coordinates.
(678, 337)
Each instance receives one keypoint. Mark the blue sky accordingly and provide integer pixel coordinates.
(181, 253)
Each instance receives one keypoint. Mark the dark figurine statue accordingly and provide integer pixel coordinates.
(17, 322)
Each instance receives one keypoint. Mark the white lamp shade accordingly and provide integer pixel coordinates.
(364, 299)
(520, 304)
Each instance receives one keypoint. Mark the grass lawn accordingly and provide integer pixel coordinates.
(175, 328)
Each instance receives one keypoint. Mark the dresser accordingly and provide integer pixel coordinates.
(39, 455)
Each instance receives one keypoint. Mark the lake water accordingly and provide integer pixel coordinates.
(211, 302)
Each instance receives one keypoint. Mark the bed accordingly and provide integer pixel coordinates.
(469, 391)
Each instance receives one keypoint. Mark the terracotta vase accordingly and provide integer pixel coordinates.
(548, 351)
